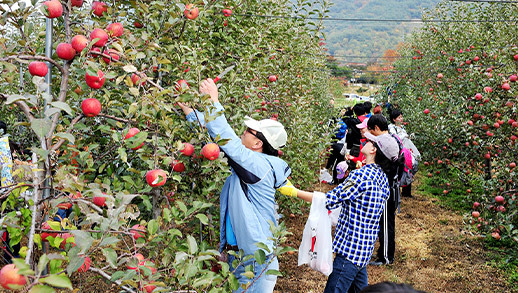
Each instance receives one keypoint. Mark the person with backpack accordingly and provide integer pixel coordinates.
(396, 127)
(247, 199)
(378, 126)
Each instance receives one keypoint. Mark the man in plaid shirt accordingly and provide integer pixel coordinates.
(362, 197)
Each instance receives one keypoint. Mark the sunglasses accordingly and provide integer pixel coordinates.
(249, 130)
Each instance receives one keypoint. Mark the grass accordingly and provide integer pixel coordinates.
(504, 253)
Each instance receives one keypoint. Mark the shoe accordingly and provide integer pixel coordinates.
(379, 263)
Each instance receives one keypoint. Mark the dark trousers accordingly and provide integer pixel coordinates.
(334, 158)
(406, 191)
(387, 231)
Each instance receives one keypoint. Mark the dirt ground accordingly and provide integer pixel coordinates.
(433, 254)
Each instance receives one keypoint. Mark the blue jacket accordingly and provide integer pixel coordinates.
(249, 192)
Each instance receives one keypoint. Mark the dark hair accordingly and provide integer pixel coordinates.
(359, 109)
(267, 147)
(3, 126)
(368, 106)
(394, 114)
(389, 287)
(377, 120)
(382, 160)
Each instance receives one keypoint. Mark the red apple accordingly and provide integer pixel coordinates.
(476, 205)
(499, 199)
(138, 24)
(210, 151)
(138, 234)
(114, 54)
(512, 165)
(91, 107)
(488, 89)
(65, 51)
(99, 8)
(140, 258)
(156, 177)
(227, 12)
(181, 85)
(439, 75)
(65, 236)
(515, 57)
(177, 166)
(475, 214)
(79, 42)
(149, 287)
(272, 78)
(135, 78)
(53, 8)
(495, 235)
(10, 279)
(76, 3)
(188, 149)
(100, 34)
(487, 156)
(44, 235)
(426, 111)
(99, 201)
(95, 82)
(38, 68)
(115, 29)
(191, 12)
(513, 78)
(506, 86)
(86, 265)
(131, 133)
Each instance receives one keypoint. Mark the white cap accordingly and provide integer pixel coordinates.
(272, 130)
(387, 144)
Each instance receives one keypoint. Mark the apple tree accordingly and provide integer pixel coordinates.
(110, 188)
(458, 92)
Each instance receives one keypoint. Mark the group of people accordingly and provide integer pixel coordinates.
(368, 196)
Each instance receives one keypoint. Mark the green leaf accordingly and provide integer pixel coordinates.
(63, 106)
(111, 256)
(42, 263)
(260, 256)
(66, 136)
(152, 227)
(60, 281)
(83, 240)
(41, 126)
(203, 219)
(249, 275)
(191, 243)
(109, 241)
(42, 289)
(274, 272)
(13, 98)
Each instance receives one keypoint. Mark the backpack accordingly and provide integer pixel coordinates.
(408, 164)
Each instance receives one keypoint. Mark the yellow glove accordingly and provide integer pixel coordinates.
(359, 165)
(288, 189)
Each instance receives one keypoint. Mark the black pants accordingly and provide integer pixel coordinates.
(387, 231)
(334, 158)
(406, 191)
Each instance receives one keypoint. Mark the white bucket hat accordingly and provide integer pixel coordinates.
(272, 130)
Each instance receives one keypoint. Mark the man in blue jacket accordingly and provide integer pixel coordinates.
(247, 200)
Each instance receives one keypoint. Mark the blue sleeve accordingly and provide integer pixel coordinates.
(240, 156)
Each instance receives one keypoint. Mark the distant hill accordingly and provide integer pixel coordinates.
(345, 38)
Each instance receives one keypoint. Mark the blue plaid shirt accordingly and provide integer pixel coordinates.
(362, 197)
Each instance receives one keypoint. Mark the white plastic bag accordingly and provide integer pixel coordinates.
(325, 176)
(316, 248)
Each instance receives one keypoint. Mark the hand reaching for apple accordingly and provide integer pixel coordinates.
(185, 108)
(209, 87)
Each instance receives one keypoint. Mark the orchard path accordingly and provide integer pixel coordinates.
(433, 253)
